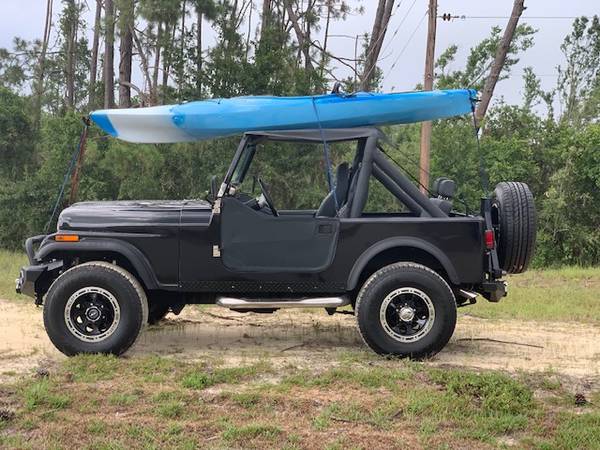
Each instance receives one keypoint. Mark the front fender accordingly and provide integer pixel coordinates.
(92, 245)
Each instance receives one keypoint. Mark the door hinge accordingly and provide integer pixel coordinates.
(217, 206)
(216, 251)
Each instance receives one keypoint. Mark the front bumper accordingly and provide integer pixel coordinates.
(35, 278)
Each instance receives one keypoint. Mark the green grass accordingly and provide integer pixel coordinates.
(567, 294)
(110, 403)
(10, 265)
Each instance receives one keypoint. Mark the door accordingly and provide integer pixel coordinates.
(257, 241)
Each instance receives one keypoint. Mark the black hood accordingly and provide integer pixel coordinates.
(100, 216)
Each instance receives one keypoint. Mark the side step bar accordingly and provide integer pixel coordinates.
(267, 303)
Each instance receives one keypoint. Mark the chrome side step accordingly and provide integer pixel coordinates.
(253, 303)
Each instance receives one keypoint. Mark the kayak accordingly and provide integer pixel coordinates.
(213, 118)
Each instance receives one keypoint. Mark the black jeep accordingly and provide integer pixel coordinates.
(111, 267)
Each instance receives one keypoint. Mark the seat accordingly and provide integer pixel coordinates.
(342, 182)
(444, 189)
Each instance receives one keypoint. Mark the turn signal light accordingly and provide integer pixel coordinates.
(66, 238)
(490, 242)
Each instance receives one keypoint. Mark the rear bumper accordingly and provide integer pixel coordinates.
(494, 290)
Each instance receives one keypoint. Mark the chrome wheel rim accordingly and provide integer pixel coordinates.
(92, 314)
(407, 314)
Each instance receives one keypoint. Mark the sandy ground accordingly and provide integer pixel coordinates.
(309, 338)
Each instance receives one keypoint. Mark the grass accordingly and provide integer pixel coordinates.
(567, 294)
(10, 265)
(351, 405)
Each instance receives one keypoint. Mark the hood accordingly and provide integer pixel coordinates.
(125, 215)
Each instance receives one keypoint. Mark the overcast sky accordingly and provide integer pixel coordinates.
(25, 18)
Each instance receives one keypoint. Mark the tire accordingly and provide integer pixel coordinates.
(157, 311)
(95, 307)
(514, 218)
(380, 304)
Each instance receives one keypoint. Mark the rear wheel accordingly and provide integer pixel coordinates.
(514, 219)
(95, 307)
(406, 309)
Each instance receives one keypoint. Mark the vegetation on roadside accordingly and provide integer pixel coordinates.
(353, 404)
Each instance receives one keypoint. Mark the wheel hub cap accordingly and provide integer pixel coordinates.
(406, 314)
(93, 313)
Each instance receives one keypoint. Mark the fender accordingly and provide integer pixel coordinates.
(386, 244)
(125, 249)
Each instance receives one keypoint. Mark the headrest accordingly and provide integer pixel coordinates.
(445, 188)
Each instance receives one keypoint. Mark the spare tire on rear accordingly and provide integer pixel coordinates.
(514, 219)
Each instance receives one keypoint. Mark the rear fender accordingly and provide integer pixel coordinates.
(400, 242)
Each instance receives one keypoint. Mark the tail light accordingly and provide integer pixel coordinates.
(490, 241)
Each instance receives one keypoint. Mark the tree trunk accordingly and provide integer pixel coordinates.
(156, 64)
(126, 21)
(109, 55)
(71, 37)
(39, 82)
(382, 19)
(265, 18)
(303, 43)
(199, 54)
(500, 58)
(95, 46)
(145, 66)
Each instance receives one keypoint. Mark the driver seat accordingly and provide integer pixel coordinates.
(342, 182)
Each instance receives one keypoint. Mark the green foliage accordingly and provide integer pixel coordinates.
(556, 156)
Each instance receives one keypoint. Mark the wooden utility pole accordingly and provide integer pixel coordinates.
(428, 86)
(499, 59)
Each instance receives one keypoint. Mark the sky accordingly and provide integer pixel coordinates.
(406, 36)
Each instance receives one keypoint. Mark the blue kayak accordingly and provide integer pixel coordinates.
(224, 117)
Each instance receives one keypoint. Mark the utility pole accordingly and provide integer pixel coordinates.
(428, 86)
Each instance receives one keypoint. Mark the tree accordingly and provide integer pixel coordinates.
(579, 81)
(94, 60)
(109, 51)
(499, 60)
(38, 86)
(380, 25)
(126, 24)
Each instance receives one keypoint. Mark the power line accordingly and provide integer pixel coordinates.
(408, 41)
(447, 17)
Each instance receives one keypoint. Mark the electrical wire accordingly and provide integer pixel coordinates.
(408, 41)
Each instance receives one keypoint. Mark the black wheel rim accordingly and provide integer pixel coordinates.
(407, 314)
(92, 314)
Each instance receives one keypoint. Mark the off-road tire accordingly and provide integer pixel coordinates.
(390, 279)
(514, 217)
(124, 288)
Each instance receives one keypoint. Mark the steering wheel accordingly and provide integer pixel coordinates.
(267, 197)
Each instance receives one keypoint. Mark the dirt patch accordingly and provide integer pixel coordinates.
(308, 339)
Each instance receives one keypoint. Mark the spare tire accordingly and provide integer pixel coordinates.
(514, 219)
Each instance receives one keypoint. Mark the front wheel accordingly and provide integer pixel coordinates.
(95, 307)
(406, 309)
